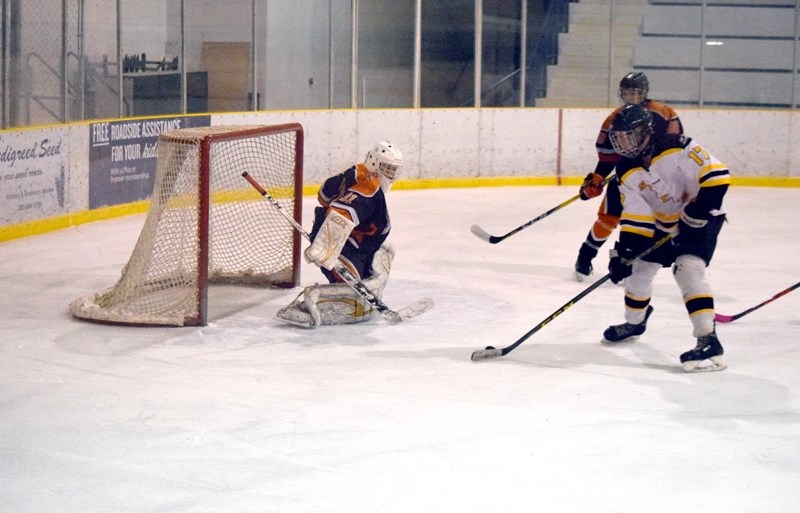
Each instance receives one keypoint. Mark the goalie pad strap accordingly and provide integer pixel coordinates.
(331, 238)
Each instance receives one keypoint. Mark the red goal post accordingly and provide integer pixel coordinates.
(207, 225)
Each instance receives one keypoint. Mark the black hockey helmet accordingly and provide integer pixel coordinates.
(633, 88)
(630, 130)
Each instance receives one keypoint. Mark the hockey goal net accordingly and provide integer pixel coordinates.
(207, 225)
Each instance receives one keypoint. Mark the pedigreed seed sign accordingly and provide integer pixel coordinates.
(33, 175)
(122, 157)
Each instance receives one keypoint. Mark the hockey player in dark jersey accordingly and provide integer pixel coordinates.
(633, 89)
(668, 185)
(350, 226)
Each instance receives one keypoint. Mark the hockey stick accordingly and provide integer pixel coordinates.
(417, 308)
(494, 239)
(730, 318)
(490, 352)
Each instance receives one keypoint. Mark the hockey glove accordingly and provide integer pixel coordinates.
(592, 186)
(329, 240)
(617, 268)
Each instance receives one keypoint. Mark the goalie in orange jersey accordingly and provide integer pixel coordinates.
(633, 89)
(350, 226)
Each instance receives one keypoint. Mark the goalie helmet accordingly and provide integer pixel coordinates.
(630, 130)
(633, 88)
(384, 160)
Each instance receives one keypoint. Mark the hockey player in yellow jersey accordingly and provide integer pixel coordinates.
(668, 185)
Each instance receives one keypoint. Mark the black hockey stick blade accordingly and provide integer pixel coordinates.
(494, 239)
(490, 352)
(481, 234)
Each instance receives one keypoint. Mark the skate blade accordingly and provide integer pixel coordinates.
(623, 342)
(581, 277)
(713, 364)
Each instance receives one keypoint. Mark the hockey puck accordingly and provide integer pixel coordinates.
(490, 348)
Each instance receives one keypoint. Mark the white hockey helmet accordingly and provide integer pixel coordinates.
(384, 160)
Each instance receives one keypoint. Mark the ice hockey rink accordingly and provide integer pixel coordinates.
(250, 415)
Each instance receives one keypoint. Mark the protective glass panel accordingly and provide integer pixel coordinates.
(386, 53)
(500, 56)
(448, 53)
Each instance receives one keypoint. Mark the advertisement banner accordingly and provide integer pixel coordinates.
(122, 157)
(33, 174)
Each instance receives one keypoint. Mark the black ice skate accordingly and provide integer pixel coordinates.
(622, 332)
(583, 265)
(707, 356)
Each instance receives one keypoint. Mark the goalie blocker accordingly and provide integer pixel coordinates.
(329, 240)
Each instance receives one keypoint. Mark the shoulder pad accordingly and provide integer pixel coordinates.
(367, 184)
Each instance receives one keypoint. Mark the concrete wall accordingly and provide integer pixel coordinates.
(44, 173)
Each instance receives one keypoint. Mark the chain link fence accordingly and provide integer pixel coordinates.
(55, 71)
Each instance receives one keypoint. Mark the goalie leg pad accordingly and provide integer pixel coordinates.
(336, 303)
(325, 304)
(296, 314)
(381, 267)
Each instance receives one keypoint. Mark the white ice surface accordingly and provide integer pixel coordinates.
(250, 415)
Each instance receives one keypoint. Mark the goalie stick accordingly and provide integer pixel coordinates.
(494, 239)
(414, 309)
(490, 352)
(730, 318)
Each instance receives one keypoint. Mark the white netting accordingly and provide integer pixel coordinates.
(248, 242)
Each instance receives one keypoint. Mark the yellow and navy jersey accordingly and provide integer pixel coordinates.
(357, 195)
(680, 175)
(665, 121)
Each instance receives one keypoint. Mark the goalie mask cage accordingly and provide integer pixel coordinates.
(206, 225)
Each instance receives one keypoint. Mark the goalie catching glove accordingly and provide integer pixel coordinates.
(330, 240)
(592, 186)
